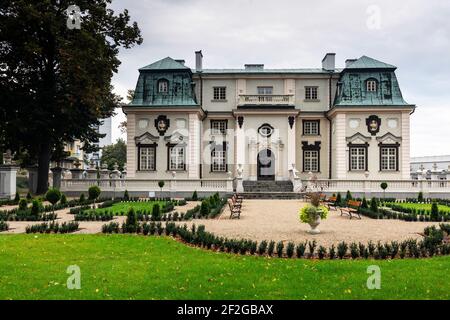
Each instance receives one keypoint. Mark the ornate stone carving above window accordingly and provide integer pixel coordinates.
(146, 138)
(358, 138)
(389, 138)
(176, 138)
(373, 124)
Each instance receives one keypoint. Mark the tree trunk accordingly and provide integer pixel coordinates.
(43, 167)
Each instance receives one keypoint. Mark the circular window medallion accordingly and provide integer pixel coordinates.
(143, 123)
(265, 130)
(392, 123)
(354, 123)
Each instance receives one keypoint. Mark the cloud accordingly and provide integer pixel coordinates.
(413, 35)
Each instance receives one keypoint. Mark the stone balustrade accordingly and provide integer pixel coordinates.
(266, 99)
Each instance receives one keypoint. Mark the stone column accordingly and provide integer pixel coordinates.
(405, 146)
(57, 176)
(240, 143)
(291, 143)
(32, 178)
(193, 156)
(279, 161)
(8, 180)
(341, 146)
(252, 159)
(77, 173)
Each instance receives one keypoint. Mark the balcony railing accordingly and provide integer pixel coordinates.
(266, 99)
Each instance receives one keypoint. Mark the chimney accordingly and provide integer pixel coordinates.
(180, 61)
(328, 62)
(349, 62)
(253, 67)
(198, 61)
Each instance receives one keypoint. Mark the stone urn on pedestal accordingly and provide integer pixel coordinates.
(313, 213)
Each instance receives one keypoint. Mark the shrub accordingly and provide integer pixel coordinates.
(35, 208)
(420, 197)
(63, 200)
(290, 249)
(53, 195)
(332, 252)
(23, 204)
(204, 208)
(194, 196)
(312, 247)
(374, 205)
(354, 250)
(112, 227)
(29, 197)
(348, 196)
(262, 247)
(322, 252)
(300, 249)
(280, 247)
(3, 226)
(364, 204)
(342, 249)
(94, 193)
(17, 197)
(338, 199)
(156, 212)
(271, 248)
(434, 215)
(82, 198)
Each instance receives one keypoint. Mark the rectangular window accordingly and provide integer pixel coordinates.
(310, 160)
(358, 158)
(147, 158)
(388, 158)
(219, 127)
(220, 93)
(265, 90)
(177, 158)
(218, 161)
(311, 128)
(311, 93)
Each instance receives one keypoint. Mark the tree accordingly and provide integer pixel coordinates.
(384, 186)
(55, 81)
(161, 186)
(94, 193)
(123, 124)
(53, 195)
(115, 153)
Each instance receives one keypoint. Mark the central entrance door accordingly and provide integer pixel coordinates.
(266, 165)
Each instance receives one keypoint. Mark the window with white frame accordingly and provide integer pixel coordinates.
(218, 160)
(265, 90)
(219, 127)
(311, 128)
(388, 158)
(147, 158)
(311, 93)
(177, 158)
(163, 86)
(371, 85)
(220, 93)
(311, 160)
(358, 158)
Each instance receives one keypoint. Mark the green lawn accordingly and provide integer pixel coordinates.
(138, 267)
(123, 207)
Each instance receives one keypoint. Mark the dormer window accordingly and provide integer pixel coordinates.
(163, 86)
(371, 85)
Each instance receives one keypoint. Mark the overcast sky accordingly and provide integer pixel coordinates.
(413, 35)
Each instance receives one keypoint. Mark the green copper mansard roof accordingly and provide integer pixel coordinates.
(352, 85)
(178, 86)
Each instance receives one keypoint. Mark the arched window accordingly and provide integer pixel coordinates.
(371, 85)
(163, 86)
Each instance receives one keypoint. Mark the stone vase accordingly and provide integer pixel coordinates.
(314, 224)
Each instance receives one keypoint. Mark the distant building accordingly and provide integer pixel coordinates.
(431, 167)
(104, 128)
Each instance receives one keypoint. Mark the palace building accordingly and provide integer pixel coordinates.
(348, 123)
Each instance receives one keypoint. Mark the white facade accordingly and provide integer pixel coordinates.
(265, 124)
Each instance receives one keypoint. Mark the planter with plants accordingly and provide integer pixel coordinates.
(313, 213)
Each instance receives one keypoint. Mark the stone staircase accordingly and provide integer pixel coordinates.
(269, 190)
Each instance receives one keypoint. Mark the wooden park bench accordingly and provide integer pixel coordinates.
(352, 209)
(235, 210)
(330, 203)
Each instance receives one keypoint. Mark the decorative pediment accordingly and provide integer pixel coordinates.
(358, 138)
(146, 138)
(389, 138)
(176, 138)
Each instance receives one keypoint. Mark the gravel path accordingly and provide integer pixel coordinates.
(278, 220)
